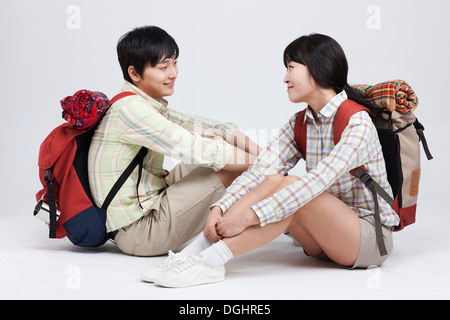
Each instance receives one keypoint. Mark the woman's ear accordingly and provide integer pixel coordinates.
(134, 75)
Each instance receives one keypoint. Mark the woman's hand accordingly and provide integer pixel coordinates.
(210, 231)
(233, 223)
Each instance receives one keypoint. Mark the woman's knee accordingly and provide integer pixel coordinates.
(291, 179)
(278, 181)
(278, 177)
(274, 179)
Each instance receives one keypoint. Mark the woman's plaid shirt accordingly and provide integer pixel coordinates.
(327, 167)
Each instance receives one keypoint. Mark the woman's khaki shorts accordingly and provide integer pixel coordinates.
(369, 255)
(178, 214)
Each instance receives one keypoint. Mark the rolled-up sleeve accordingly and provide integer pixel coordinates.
(203, 126)
(141, 124)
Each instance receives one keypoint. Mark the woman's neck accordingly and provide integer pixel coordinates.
(318, 101)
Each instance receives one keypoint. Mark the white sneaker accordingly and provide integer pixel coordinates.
(151, 274)
(191, 272)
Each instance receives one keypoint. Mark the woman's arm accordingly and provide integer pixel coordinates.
(277, 158)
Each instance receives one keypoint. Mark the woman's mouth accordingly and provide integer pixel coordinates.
(169, 84)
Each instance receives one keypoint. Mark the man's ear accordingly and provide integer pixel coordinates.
(134, 75)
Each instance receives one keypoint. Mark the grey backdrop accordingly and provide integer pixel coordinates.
(231, 69)
(230, 63)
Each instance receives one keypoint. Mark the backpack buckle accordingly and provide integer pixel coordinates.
(48, 174)
(366, 178)
(362, 174)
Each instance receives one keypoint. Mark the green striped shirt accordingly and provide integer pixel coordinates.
(139, 120)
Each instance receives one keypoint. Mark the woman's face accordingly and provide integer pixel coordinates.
(300, 85)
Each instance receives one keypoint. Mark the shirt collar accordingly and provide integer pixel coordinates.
(329, 109)
(160, 106)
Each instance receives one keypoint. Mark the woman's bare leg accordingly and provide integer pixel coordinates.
(332, 225)
(256, 236)
(324, 224)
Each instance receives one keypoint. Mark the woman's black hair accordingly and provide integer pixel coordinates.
(327, 64)
(145, 46)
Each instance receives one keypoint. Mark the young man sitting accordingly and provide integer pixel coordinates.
(168, 208)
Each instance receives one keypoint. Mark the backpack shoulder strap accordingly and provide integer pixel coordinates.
(120, 96)
(137, 161)
(346, 110)
(300, 133)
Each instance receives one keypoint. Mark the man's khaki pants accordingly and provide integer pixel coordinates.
(178, 214)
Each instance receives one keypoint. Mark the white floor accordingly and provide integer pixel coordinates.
(34, 267)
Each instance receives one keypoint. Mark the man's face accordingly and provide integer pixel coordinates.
(159, 81)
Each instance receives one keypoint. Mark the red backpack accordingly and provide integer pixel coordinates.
(65, 201)
(400, 134)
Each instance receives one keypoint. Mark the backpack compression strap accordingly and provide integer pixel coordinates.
(375, 189)
(51, 203)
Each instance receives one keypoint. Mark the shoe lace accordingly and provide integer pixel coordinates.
(172, 260)
(187, 263)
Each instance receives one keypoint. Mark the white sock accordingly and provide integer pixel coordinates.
(197, 245)
(217, 254)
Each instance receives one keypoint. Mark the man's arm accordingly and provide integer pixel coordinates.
(243, 142)
(240, 160)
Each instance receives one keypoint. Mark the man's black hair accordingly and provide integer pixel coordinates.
(145, 46)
